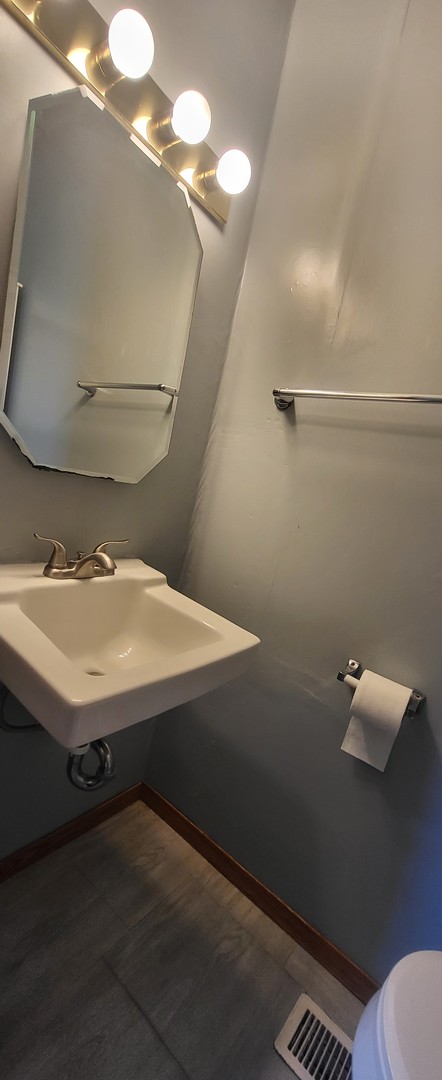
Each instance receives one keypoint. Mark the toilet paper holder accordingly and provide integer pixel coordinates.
(354, 668)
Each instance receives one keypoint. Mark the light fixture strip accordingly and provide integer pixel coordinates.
(61, 29)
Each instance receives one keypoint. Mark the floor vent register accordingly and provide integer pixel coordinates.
(312, 1045)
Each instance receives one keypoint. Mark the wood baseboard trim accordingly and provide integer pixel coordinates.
(332, 959)
(12, 864)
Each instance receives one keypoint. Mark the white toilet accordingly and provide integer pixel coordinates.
(399, 1035)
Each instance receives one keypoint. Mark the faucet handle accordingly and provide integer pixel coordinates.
(58, 559)
(105, 544)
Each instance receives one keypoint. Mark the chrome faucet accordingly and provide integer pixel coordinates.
(97, 564)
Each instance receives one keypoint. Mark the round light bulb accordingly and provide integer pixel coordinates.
(131, 43)
(233, 172)
(191, 117)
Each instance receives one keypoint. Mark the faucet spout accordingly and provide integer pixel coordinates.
(97, 564)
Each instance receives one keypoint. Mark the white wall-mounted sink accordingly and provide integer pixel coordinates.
(89, 657)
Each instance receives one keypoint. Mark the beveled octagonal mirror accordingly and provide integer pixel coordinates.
(102, 284)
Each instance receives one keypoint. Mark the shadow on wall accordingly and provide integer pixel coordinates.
(206, 759)
(36, 795)
(414, 800)
(260, 770)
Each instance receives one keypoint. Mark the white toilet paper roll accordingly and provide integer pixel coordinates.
(376, 712)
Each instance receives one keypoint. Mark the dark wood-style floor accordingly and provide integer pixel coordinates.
(125, 956)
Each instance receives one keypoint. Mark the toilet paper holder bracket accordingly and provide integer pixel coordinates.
(354, 668)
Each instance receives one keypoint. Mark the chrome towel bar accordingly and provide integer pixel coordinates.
(92, 387)
(285, 397)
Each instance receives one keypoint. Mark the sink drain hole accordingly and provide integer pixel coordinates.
(93, 672)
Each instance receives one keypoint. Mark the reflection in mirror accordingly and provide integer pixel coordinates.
(102, 284)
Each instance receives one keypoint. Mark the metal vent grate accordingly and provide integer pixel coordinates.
(312, 1045)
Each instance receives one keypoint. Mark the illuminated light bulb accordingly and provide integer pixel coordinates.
(78, 58)
(233, 172)
(188, 175)
(191, 117)
(131, 43)
(140, 125)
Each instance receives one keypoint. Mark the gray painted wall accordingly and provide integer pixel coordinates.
(320, 530)
(235, 57)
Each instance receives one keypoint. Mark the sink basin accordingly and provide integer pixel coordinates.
(90, 657)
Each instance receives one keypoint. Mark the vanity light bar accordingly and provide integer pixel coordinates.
(60, 28)
(92, 387)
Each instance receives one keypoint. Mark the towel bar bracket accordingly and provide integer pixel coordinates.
(283, 401)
